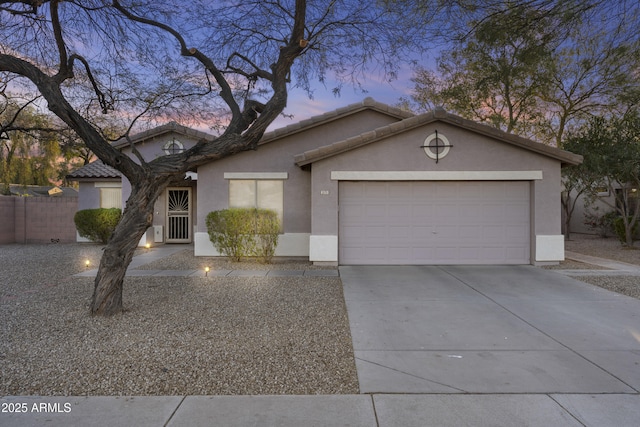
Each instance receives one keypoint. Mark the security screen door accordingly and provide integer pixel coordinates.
(179, 215)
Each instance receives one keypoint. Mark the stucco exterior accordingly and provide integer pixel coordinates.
(470, 152)
(367, 141)
(275, 154)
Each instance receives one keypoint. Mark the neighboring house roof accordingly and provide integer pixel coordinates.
(161, 130)
(95, 169)
(42, 190)
(440, 115)
(367, 104)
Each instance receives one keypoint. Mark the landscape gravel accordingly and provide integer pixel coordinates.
(609, 248)
(178, 335)
(190, 335)
(185, 260)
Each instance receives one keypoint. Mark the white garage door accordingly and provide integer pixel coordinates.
(434, 222)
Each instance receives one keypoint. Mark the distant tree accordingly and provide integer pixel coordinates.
(536, 68)
(594, 72)
(494, 75)
(157, 60)
(577, 180)
(611, 150)
(29, 150)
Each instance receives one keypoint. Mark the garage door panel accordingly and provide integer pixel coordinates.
(470, 232)
(447, 232)
(399, 253)
(492, 234)
(421, 212)
(399, 232)
(420, 233)
(434, 222)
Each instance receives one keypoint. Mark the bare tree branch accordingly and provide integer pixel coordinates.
(226, 93)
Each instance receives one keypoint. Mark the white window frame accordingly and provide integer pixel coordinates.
(255, 178)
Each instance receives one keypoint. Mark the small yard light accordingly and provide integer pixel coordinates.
(206, 272)
(87, 263)
(148, 246)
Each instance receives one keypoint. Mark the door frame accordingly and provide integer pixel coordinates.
(189, 216)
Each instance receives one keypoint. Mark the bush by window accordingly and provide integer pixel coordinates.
(97, 225)
(244, 232)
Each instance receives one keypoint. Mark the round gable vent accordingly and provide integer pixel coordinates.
(173, 147)
(436, 146)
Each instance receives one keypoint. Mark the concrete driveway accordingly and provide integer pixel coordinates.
(489, 329)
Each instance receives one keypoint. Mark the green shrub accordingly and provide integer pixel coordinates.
(97, 225)
(267, 233)
(229, 231)
(618, 227)
(242, 232)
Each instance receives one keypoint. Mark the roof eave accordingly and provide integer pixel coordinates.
(162, 130)
(322, 119)
(311, 156)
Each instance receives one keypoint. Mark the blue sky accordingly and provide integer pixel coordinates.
(301, 107)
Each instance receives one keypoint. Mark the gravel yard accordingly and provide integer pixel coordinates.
(609, 247)
(179, 336)
(604, 248)
(190, 335)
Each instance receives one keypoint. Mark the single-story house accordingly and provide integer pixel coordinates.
(367, 184)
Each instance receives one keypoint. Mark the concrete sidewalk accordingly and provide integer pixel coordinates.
(377, 410)
(610, 267)
(434, 346)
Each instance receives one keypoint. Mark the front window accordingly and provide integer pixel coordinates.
(111, 198)
(257, 193)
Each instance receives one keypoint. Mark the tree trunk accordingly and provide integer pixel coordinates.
(568, 211)
(136, 219)
(628, 231)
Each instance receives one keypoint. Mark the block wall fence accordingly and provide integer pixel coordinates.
(37, 219)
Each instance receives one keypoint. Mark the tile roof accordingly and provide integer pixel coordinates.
(42, 191)
(438, 114)
(160, 130)
(367, 104)
(95, 169)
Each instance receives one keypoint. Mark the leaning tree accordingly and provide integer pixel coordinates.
(142, 60)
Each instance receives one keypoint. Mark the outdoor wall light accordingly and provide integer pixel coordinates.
(206, 271)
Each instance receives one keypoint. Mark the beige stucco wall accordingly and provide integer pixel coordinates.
(469, 152)
(150, 149)
(311, 195)
(278, 156)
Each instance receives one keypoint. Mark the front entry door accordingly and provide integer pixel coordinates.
(179, 215)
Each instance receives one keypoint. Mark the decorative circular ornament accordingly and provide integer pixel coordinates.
(436, 146)
(173, 147)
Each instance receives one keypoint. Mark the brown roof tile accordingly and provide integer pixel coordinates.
(95, 169)
(437, 115)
